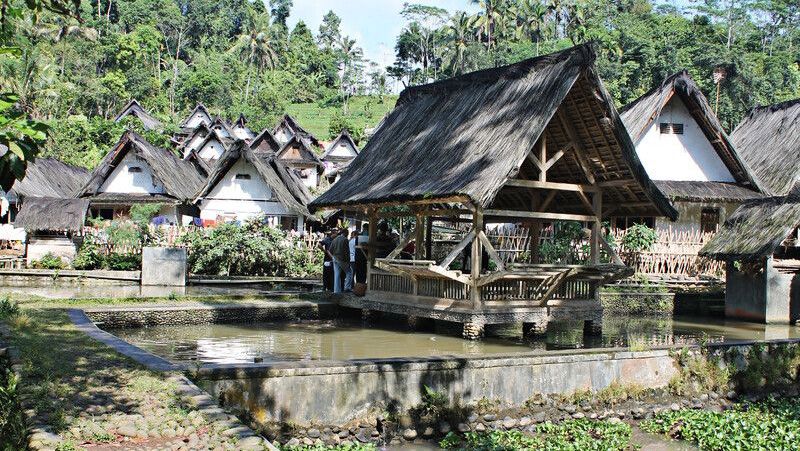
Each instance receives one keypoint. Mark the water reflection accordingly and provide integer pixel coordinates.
(344, 339)
(54, 291)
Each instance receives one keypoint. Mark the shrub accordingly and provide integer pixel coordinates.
(49, 261)
(8, 308)
(89, 257)
(639, 238)
(13, 432)
(123, 262)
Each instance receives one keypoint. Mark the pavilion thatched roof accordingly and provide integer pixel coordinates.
(49, 177)
(52, 214)
(287, 188)
(180, 178)
(135, 109)
(467, 136)
(768, 139)
(640, 114)
(756, 229)
(696, 191)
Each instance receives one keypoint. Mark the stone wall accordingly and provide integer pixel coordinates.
(66, 277)
(187, 315)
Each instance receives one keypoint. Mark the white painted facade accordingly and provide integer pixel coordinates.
(134, 176)
(343, 149)
(309, 176)
(243, 133)
(283, 134)
(242, 194)
(681, 157)
(212, 149)
(197, 118)
(194, 142)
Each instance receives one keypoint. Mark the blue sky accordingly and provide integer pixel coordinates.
(374, 24)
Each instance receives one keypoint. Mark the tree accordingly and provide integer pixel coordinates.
(488, 19)
(256, 47)
(279, 10)
(459, 33)
(329, 34)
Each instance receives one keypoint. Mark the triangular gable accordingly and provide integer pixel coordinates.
(204, 167)
(135, 109)
(195, 139)
(265, 143)
(199, 115)
(709, 153)
(343, 148)
(297, 150)
(288, 128)
(222, 127)
(212, 147)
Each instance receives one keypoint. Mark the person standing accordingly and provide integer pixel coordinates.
(340, 254)
(348, 283)
(361, 254)
(327, 261)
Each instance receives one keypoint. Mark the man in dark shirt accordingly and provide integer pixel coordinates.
(340, 254)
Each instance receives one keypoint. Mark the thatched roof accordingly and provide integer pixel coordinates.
(265, 142)
(705, 191)
(241, 130)
(49, 177)
(639, 114)
(291, 123)
(298, 151)
(287, 188)
(180, 179)
(133, 108)
(756, 229)
(344, 136)
(469, 135)
(52, 214)
(203, 166)
(198, 108)
(768, 139)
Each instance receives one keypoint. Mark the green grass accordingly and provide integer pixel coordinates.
(766, 425)
(364, 112)
(583, 435)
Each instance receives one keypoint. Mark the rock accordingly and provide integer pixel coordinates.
(405, 421)
(409, 434)
(313, 433)
(731, 395)
(462, 427)
(489, 417)
(704, 397)
(307, 441)
(524, 421)
(294, 441)
(235, 431)
(250, 443)
(428, 432)
(128, 430)
(375, 433)
(509, 423)
(473, 417)
(444, 427)
(578, 415)
(638, 413)
(362, 436)
(675, 407)
(614, 420)
(593, 416)
(344, 434)
(539, 417)
(570, 409)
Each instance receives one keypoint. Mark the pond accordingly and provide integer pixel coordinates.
(119, 291)
(345, 339)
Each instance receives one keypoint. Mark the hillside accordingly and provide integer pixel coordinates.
(364, 112)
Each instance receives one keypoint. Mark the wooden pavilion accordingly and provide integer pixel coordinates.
(534, 142)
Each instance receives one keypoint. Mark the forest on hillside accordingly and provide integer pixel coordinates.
(76, 68)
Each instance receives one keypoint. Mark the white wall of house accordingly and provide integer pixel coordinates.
(309, 176)
(198, 118)
(343, 149)
(63, 247)
(193, 143)
(211, 150)
(133, 175)
(687, 156)
(283, 134)
(237, 197)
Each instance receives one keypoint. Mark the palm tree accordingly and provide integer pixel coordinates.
(529, 17)
(489, 18)
(555, 7)
(350, 53)
(256, 47)
(459, 30)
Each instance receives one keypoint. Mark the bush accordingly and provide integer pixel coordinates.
(8, 308)
(639, 238)
(49, 261)
(123, 262)
(13, 431)
(89, 257)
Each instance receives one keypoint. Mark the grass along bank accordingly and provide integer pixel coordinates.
(84, 394)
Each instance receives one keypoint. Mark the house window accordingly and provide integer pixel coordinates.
(242, 176)
(709, 220)
(134, 169)
(671, 128)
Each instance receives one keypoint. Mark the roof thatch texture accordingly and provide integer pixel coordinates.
(179, 177)
(48, 177)
(198, 108)
(52, 214)
(344, 136)
(639, 114)
(203, 166)
(768, 139)
(287, 188)
(291, 123)
(265, 142)
(706, 191)
(756, 229)
(299, 151)
(467, 136)
(135, 109)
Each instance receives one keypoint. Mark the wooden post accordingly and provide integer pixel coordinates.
(476, 258)
(597, 206)
(428, 237)
(543, 157)
(535, 228)
(373, 235)
(419, 239)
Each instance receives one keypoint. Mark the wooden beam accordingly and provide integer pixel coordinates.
(597, 207)
(539, 215)
(610, 251)
(616, 183)
(476, 259)
(543, 157)
(536, 184)
(457, 250)
(419, 237)
(453, 275)
(491, 250)
(557, 156)
(546, 203)
(586, 203)
(366, 206)
(403, 243)
(577, 146)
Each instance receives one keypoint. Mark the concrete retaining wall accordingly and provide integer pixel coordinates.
(164, 266)
(207, 314)
(337, 392)
(62, 277)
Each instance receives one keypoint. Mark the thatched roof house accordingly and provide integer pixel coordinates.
(769, 140)
(244, 183)
(49, 177)
(198, 115)
(265, 143)
(298, 154)
(240, 129)
(48, 214)
(135, 171)
(212, 146)
(470, 138)
(288, 128)
(135, 109)
(341, 150)
(194, 139)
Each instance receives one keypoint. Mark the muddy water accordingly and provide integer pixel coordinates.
(344, 339)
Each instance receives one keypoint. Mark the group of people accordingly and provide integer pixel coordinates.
(346, 253)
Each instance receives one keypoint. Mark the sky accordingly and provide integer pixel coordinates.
(374, 24)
